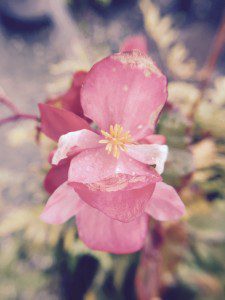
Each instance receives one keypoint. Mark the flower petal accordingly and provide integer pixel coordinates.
(70, 100)
(100, 232)
(56, 176)
(127, 89)
(136, 42)
(101, 171)
(154, 139)
(165, 203)
(63, 204)
(56, 122)
(150, 154)
(123, 206)
(81, 139)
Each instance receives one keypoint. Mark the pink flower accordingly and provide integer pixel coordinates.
(108, 177)
(70, 100)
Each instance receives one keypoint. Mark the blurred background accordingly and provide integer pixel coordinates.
(42, 43)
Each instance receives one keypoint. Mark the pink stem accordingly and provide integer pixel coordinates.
(9, 104)
(18, 116)
(148, 276)
(215, 52)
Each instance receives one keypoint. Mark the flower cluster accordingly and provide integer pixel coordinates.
(107, 166)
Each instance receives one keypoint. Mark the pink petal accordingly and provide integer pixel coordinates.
(150, 154)
(136, 42)
(123, 206)
(154, 139)
(56, 122)
(165, 203)
(56, 176)
(50, 156)
(100, 171)
(127, 89)
(63, 204)
(70, 100)
(99, 232)
(81, 139)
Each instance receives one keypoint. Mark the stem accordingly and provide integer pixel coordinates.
(18, 116)
(210, 64)
(215, 52)
(9, 104)
(148, 283)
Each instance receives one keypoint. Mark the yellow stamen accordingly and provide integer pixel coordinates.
(116, 140)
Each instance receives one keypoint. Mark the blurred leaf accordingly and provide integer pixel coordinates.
(204, 153)
(15, 220)
(156, 25)
(179, 64)
(174, 126)
(179, 165)
(210, 113)
(206, 284)
(183, 95)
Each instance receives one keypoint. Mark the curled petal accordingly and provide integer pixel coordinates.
(165, 203)
(100, 232)
(123, 206)
(136, 42)
(56, 122)
(63, 204)
(78, 140)
(127, 89)
(101, 171)
(150, 154)
(56, 176)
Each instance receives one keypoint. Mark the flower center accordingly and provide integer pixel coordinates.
(116, 140)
